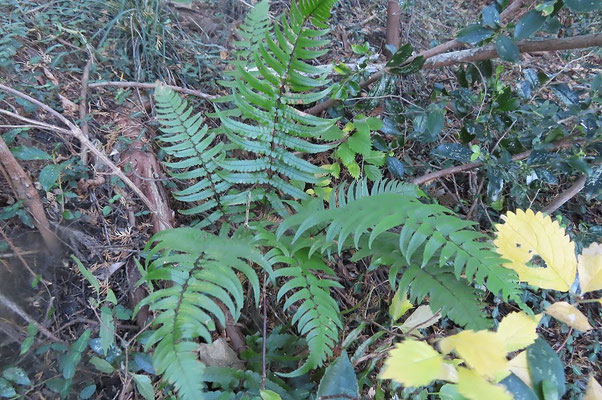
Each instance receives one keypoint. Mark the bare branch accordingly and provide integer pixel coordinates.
(143, 85)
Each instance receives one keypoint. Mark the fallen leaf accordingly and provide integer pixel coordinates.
(421, 318)
(51, 77)
(589, 264)
(569, 314)
(594, 390)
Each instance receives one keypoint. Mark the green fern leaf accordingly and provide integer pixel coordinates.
(203, 270)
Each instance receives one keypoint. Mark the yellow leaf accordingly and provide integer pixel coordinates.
(518, 365)
(590, 268)
(517, 330)
(400, 305)
(448, 372)
(594, 390)
(483, 351)
(412, 363)
(525, 235)
(474, 387)
(569, 314)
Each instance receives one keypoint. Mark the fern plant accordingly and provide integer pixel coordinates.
(430, 246)
(202, 269)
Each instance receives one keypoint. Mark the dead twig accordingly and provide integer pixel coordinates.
(83, 105)
(143, 85)
(565, 196)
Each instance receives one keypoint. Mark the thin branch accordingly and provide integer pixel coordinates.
(144, 85)
(78, 134)
(565, 196)
(421, 180)
(83, 105)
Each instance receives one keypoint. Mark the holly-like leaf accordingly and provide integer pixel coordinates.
(524, 237)
(483, 351)
(594, 390)
(589, 265)
(569, 314)
(412, 363)
(474, 34)
(518, 388)
(530, 23)
(507, 49)
(517, 330)
(474, 387)
(593, 183)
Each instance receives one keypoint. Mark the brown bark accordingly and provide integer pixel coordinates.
(26, 191)
(565, 196)
(525, 46)
(393, 26)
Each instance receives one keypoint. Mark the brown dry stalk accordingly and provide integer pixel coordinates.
(26, 191)
(565, 196)
(144, 85)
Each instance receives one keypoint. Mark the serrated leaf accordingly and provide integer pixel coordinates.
(525, 235)
(544, 364)
(569, 314)
(474, 387)
(583, 5)
(507, 49)
(517, 330)
(474, 34)
(483, 351)
(412, 363)
(589, 265)
(340, 379)
(144, 386)
(530, 23)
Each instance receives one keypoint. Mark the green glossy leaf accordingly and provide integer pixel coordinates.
(474, 34)
(400, 56)
(269, 395)
(583, 5)
(339, 378)
(87, 392)
(395, 167)
(6, 389)
(16, 375)
(49, 175)
(453, 151)
(545, 365)
(491, 17)
(593, 183)
(519, 389)
(102, 365)
(507, 49)
(107, 329)
(530, 23)
(450, 392)
(29, 153)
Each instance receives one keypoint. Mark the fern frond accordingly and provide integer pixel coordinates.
(399, 230)
(269, 125)
(316, 312)
(195, 152)
(203, 271)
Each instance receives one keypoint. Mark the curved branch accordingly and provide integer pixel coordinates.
(143, 85)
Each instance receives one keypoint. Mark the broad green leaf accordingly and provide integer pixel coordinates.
(491, 17)
(16, 375)
(32, 330)
(102, 365)
(107, 329)
(144, 386)
(450, 392)
(70, 361)
(60, 386)
(87, 274)
(594, 390)
(87, 392)
(583, 5)
(507, 49)
(593, 183)
(399, 305)
(483, 351)
(395, 167)
(49, 175)
(589, 265)
(339, 378)
(401, 55)
(412, 363)
(29, 153)
(474, 34)
(569, 314)
(453, 151)
(530, 23)
(544, 364)
(6, 389)
(517, 330)
(474, 387)
(518, 388)
(525, 236)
